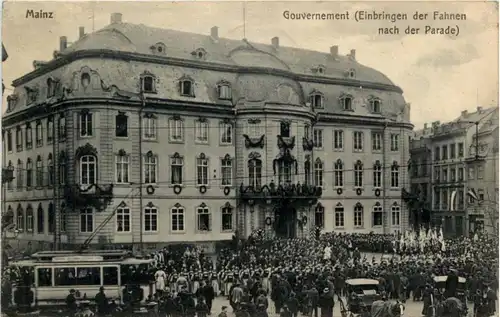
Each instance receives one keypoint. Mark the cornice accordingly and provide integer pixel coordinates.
(292, 112)
(357, 119)
(165, 60)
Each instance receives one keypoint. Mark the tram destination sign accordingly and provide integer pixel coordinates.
(78, 258)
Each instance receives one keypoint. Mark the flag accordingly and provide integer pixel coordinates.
(443, 246)
(472, 193)
(476, 237)
(452, 200)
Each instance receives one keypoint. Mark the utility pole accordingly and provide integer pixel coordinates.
(141, 172)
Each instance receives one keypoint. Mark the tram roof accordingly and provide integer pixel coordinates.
(102, 254)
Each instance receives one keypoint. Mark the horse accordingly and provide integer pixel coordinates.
(451, 307)
(382, 308)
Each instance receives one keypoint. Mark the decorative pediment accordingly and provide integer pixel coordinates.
(316, 92)
(339, 162)
(150, 205)
(122, 152)
(223, 82)
(202, 205)
(395, 164)
(345, 95)
(358, 205)
(202, 120)
(150, 115)
(175, 117)
(227, 205)
(227, 157)
(176, 155)
(254, 155)
(149, 154)
(202, 156)
(186, 78)
(339, 205)
(177, 205)
(86, 149)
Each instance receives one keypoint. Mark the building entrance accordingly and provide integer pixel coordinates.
(286, 222)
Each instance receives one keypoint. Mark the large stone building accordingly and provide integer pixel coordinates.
(450, 173)
(138, 135)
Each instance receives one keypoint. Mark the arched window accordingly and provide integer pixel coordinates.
(377, 215)
(346, 102)
(39, 172)
(377, 175)
(255, 172)
(358, 216)
(122, 167)
(227, 170)
(375, 105)
(123, 219)
(40, 219)
(39, 133)
(395, 215)
(176, 169)
(204, 218)
(8, 218)
(150, 218)
(177, 218)
(318, 173)
(20, 175)
(50, 129)
(395, 175)
(338, 170)
(228, 217)
(148, 84)
(29, 174)
(202, 170)
(319, 216)
(186, 86)
(150, 168)
(51, 218)
(339, 216)
(50, 170)
(29, 219)
(358, 174)
(62, 127)
(29, 136)
(88, 170)
(20, 218)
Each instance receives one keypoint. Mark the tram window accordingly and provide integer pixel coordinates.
(109, 275)
(64, 276)
(44, 277)
(88, 275)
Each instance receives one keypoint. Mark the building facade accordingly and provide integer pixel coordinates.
(136, 135)
(452, 169)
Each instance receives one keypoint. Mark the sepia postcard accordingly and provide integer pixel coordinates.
(343, 149)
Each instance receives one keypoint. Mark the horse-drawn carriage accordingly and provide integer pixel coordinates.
(443, 305)
(361, 293)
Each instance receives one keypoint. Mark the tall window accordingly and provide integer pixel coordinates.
(255, 173)
(377, 175)
(19, 139)
(51, 218)
(62, 168)
(177, 220)
(29, 136)
(338, 140)
(201, 131)
(285, 129)
(358, 174)
(285, 172)
(150, 168)
(319, 216)
(453, 151)
(339, 216)
(226, 133)
(29, 219)
(86, 129)
(20, 175)
(88, 170)
(358, 216)
(227, 171)
(318, 173)
(122, 168)
(317, 100)
(376, 141)
(444, 153)
(176, 169)
(395, 215)
(204, 218)
(62, 127)
(87, 220)
(377, 215)
(176, 129)
(62, 218)
(123, 219)
(29, 173)
(121, 126)
(186, 88)
(202, 170)
(39, 172)
(375, 105)
(20, 218)
(39, 133)
(149, 127)
(224, 91)
(338, 170)
(148, 83)
(460, 150)
(318, 138)
(394, 142)
(346, 103)
(358, 141)
(307, 171)
(40, 223)
(50, 129)
(9, 140)
(150, 218)
(227, 218)
(437, 152)
(394, 175)
(10, 181)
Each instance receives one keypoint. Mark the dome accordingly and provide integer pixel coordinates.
(250, 57)
(269, 88)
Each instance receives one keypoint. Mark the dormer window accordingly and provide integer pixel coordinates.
(199, 53)
(31, 95)
(158, 48)
(186, 86)
(11, 102)
(224, 90)
(351, 73)
(375, 105)
(317, 100)
(148, 83)
(50, 88)
(346, 102)
(319, 69)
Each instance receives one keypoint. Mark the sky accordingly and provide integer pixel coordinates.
(440, 75)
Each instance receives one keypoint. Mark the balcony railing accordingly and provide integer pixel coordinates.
(88, 196)
(272, 194)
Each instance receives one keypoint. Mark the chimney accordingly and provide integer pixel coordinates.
(81, 32)
(116, 18)
(479, 109)
(465, 113)
(425, 126)
(214, 32)
(276, 42)
(63, 43)
(353, 54)
(334, 50)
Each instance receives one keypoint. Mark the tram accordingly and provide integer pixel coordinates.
(53, 274)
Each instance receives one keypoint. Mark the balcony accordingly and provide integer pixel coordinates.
(91, 196)
(287, 194)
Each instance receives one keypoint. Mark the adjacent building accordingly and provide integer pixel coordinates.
(457, 179)
(137, 135)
